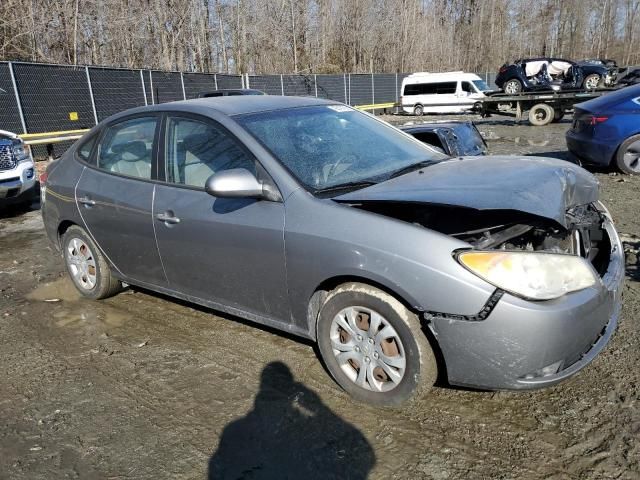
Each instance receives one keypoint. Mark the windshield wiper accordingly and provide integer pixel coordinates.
(345, 186)
(411, 168)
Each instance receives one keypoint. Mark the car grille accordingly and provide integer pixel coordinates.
(7, 159)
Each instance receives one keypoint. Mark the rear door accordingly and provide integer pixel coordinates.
(224, 250)
(114, 197)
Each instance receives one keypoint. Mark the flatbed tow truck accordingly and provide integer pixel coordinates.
(541, 107)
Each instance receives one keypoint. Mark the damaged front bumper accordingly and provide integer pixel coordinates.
(521, 344)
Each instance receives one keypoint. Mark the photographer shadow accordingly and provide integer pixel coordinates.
(290, 434)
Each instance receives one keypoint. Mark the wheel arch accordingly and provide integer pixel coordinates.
(62, 229)
(614, 156)
(320, 293)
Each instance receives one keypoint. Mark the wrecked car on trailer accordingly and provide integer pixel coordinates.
(312, 217)
(546, 73)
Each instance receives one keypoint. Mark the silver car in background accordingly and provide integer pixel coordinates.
(311, 217)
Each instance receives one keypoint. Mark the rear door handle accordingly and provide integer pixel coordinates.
(167, 217)
(86, 201)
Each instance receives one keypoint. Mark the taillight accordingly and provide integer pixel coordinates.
(44, 176)
(597, 119)
(502, 69)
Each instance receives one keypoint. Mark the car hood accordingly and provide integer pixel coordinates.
(544, 187)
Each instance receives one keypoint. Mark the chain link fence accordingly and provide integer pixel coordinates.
(36, 98)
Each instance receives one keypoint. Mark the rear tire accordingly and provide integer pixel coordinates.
(418, 110)
(87, 267)
(541, 114)
(628, 156)
(591, 82)
(512, 86)
(362, 327)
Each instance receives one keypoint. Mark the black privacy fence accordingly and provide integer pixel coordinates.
(37, 98)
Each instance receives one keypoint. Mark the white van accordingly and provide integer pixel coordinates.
(451, 92)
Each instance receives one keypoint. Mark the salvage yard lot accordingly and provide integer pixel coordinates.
(142, 386)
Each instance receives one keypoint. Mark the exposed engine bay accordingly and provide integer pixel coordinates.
(509, 229)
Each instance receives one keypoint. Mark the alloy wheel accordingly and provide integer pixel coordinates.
(631, 157)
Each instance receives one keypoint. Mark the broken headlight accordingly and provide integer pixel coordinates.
(533, 275)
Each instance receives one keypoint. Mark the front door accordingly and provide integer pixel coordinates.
(228, 251)
(115, 199)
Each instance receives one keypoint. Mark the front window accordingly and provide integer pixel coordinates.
(481, 85)
(330, 145)
(195, 150)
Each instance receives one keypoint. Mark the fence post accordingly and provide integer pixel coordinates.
(215, 80)
(15, 91)
(144, 89)
(349, 89)
(93, 102)
(344, 80)
(396, 87)
(153, 100)
(282, 85)
(315, 83)
(247, 81)
(373, 91)
(184, 94)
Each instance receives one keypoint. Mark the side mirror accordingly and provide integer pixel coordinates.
(238, 183)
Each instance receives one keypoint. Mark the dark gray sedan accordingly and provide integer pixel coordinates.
(311, 217)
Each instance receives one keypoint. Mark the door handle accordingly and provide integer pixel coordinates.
(86, 201)
(168, 218)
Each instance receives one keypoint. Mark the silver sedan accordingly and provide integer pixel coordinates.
(311, 217)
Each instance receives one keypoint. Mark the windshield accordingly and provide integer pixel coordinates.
(481, 85)
(330, 145)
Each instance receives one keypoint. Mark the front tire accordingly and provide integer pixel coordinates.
(418, 110)
(373, 346)
(628, 156)
(87, 267)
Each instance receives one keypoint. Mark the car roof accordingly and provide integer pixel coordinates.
(232, 105)
(434, 77)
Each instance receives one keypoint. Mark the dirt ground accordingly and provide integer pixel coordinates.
(142, 386)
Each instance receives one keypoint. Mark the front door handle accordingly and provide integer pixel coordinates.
(167, 217)
(86, 201)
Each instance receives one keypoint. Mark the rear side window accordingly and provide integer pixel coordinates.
(439, 88)
(196, 149)
(126, 148)
(84, 151)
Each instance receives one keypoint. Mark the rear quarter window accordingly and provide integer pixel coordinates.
(85, 149)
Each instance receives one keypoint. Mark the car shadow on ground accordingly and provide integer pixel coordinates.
(290, 433)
